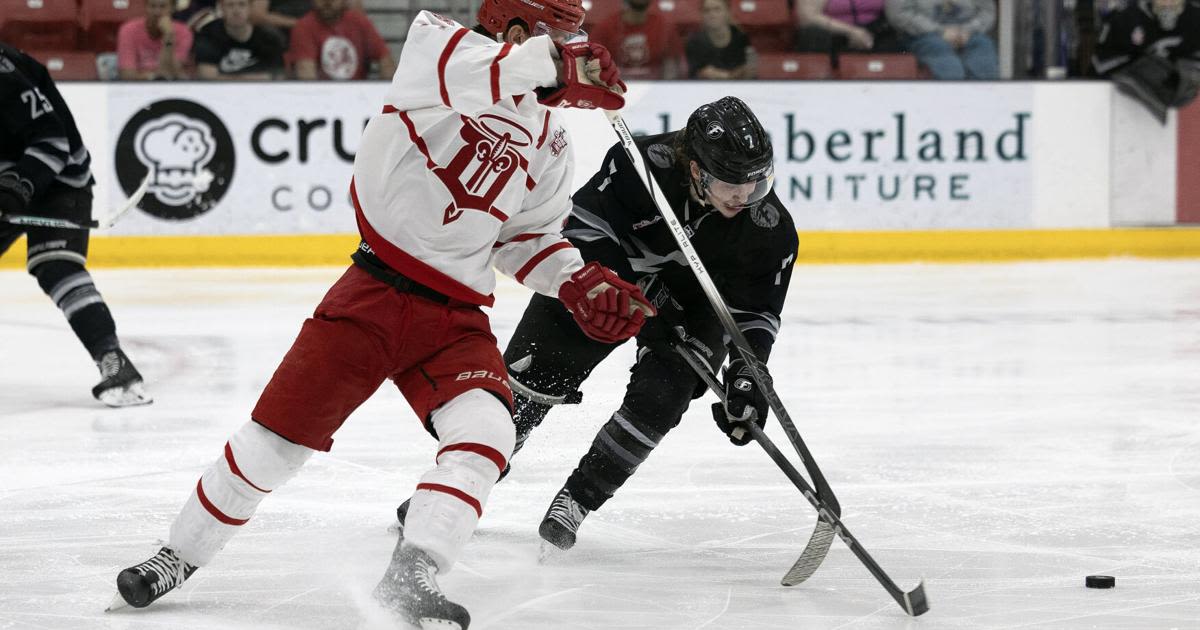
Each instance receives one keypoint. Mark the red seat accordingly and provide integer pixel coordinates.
(871, 66)
(768, 23)
(794, 66)
(68, 65)
(684, 14)
(751, 14)
(101, 19)
(39, 24)
(599, 11)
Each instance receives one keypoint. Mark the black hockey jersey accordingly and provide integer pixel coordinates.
(1134, 31)
(749, 257)
(38, 137)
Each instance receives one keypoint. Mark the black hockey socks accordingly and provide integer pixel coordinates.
(71, 288)
(622, 444)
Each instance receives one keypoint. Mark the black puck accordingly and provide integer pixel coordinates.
(1100, 581)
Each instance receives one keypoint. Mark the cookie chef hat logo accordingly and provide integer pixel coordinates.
(184, 149)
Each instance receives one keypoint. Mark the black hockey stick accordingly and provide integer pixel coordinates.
(914, 602)
(757, 368)
(822, 537)
(47, 222)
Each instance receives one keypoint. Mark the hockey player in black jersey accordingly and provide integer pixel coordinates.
(45, 171)
(717, 174)
(1151, 50)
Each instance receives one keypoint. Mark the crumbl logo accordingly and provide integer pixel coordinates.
(176, 149)
(186, 152)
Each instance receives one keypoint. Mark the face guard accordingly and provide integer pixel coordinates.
(737, 196)
(558, 35)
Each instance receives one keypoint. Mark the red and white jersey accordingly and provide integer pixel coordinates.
(464, 170)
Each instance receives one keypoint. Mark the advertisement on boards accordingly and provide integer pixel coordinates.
(277, 158)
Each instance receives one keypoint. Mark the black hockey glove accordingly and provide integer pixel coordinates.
(15, 194)
(660, 329)
(1189, 82)
(744, 402)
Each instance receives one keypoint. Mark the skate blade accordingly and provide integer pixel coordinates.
(428, 623)
(117, 603)
(131, 396)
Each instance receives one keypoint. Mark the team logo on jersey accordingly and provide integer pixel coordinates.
(559, 142)
(765, 215)
(184, 149)
(661, 155)
(339, 58)
(478, 173)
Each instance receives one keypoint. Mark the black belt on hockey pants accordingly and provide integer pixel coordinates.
(380, 271)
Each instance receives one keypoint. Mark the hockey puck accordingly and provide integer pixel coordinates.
(1100, 581)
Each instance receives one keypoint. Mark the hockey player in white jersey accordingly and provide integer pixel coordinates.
(467, 167)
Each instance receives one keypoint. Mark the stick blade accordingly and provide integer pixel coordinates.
(812, 557)
(915, 601)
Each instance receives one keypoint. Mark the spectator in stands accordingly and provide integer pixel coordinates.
(281, 15)
(334, 42)
(857, 24)
(643, 41)
(195, 13)
(153, 47)
(1151, 50)
(233, 48)
(950, 37)
(720, 50)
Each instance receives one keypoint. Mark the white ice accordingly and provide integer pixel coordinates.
(1001, 430)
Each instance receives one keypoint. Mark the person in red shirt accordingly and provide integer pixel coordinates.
(643, 42)
(333, 42)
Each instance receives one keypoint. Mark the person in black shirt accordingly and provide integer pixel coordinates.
(45, 171)
(720, 50)
(233, 48)
(717, 174)
(1151, 50)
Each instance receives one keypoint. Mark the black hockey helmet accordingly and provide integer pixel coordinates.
(731, 147)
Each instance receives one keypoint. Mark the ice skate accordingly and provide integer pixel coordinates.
(410, 589)
(562, 520)
(121, 384)
(141, 584)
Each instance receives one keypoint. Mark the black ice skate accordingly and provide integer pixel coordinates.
(410, 589)
(562, 520)
(120, 384)
(141, 584)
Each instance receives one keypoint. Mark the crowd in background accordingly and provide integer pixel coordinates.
(651, 39)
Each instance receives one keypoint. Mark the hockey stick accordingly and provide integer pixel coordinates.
(47, 222)
(822, 537)
(914, 602)
(758, 370)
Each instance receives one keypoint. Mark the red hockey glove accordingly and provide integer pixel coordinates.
(588, 80)
(607, 308)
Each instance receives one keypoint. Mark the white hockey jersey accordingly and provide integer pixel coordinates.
(464, 170)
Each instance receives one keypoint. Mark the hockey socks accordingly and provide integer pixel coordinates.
(255, 462)
(475, 439)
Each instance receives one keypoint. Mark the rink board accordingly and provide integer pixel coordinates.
(870, 171)
(815, 247)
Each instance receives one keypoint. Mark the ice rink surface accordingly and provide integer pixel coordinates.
(1002, 430)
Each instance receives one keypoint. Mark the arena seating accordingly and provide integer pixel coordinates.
(39, 24)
